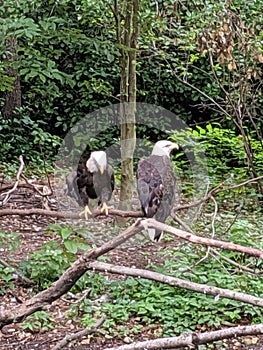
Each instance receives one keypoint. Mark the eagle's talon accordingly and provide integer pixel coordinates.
(93, 179)
(86, 212)
(105, 209)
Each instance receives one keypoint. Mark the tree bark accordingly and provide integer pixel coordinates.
(13, 97)
(127, 41)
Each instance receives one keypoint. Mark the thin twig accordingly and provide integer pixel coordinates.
(8, 193)
(239, 266)
(213, 232)
(217, 189)
(181, 223)
(78, 300)
(71, 337)
(35, 187)
(213, 191)
(26, 281)
(255, 179)
(214, 216)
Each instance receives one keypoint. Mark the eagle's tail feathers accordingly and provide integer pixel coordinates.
(155, 235)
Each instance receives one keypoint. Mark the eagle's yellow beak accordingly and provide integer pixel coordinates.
(101, 169)
(175, 146)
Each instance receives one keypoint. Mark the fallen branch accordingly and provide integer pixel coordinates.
(9, 186)
(66, 215)
(177, 282)
(145, 223)
(71, 337)
(8, 193)
(151, 223)
(43, 299)
(192, 340)
(35, 188)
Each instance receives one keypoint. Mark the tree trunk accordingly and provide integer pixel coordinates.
(127, 41)
(13, 97)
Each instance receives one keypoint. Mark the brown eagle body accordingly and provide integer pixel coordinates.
(156, 185)
(93, 179)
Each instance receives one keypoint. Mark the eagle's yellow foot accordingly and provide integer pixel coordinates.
(86, 212)
(105, 209)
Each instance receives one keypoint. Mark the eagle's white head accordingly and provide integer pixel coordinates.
(97, 162)
(164, 147)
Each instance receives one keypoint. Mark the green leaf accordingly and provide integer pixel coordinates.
(71, 246)
(42, 78)
(65, 232)
(209, 128)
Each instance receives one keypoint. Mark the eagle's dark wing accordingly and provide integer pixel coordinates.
(104, 184)
(79, 185)
(84, 184)
(156, 188)
(149, 185)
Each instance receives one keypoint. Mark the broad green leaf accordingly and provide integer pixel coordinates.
(71, 246)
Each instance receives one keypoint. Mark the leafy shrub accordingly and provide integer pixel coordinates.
(45, 265)
(7, 242)
(38, 322)
(49, 262)
(6, 278)
(211, 155)
(20, 135)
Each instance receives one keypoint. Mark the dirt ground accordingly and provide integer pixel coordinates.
(32, 237)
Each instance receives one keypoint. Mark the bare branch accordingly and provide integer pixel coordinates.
(213, 232)
(66, 215)
(181, 223)
(8, 193)
(148, 223)
(214, 216)
(177, 282)
(35, 188)
(213, 191)
(192, 339)
(71, 337)
(255, 179)
(220, 108)
(239, 266)
(9, 186)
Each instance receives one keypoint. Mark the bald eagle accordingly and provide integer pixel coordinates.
(156, 185)
(94, 178)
